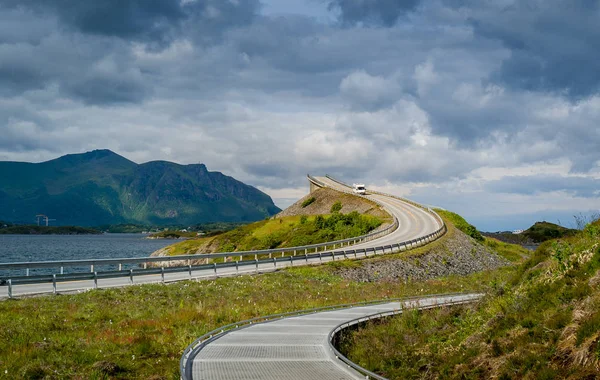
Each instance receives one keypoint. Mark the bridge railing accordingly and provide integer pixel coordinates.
(333, 334)
(111, 265)
(428, 209)
(258, 265)
(92, 263)
(191, 263)
(185, 365)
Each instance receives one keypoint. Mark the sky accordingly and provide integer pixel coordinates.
(487, 108)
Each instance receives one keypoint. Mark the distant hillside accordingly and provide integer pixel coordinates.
(101, 187)
(538, 233)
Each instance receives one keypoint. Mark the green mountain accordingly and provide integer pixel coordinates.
(101, 187)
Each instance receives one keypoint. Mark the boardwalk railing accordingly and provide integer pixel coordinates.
(333, 334)
(185, 365)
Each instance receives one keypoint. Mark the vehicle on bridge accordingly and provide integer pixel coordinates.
(359, 188)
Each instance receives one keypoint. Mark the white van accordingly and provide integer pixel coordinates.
(359, 188)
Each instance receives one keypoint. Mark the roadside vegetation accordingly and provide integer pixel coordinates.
(287, 231)
(140, 332)
(308, 202)
(460, 223)
(541, 321)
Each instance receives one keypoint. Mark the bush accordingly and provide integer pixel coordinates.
(336, 207)
(308, 202)
(460, 223)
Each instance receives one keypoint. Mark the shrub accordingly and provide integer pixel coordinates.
(460, 223)
(336, 207)
(308, 202)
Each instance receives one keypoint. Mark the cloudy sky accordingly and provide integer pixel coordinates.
(488, 108)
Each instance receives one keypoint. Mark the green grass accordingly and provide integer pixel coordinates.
(540, 321)
(288, 231)
(461, 224)
(140, 332)
(336, 207)
(308, 202)
(512, 252)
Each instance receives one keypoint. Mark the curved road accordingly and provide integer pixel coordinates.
(293, 348)
(298, 347)
(413, 222)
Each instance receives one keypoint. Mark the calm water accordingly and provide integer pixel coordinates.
(16, 248)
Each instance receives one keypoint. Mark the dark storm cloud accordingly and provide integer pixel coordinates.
(554, 45)
(207, 20)
(91, 69)
(153, 22)
(372, 12)
(129, 19)
(585, 187)
(84, 47)
(109, 88)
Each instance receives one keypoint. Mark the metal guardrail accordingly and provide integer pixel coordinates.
(185, 366)
(368, 374)
(189, 259)
(435, 214)
(225, 255)
(132, 273)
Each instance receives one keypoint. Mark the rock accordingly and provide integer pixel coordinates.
(457, 255)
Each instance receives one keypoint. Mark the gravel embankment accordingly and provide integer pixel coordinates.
(457, 255)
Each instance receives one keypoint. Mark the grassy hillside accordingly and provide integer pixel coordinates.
(541, 322)
(460, 223)
(287, 231)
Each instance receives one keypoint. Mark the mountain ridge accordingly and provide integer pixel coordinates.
(102, 187)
